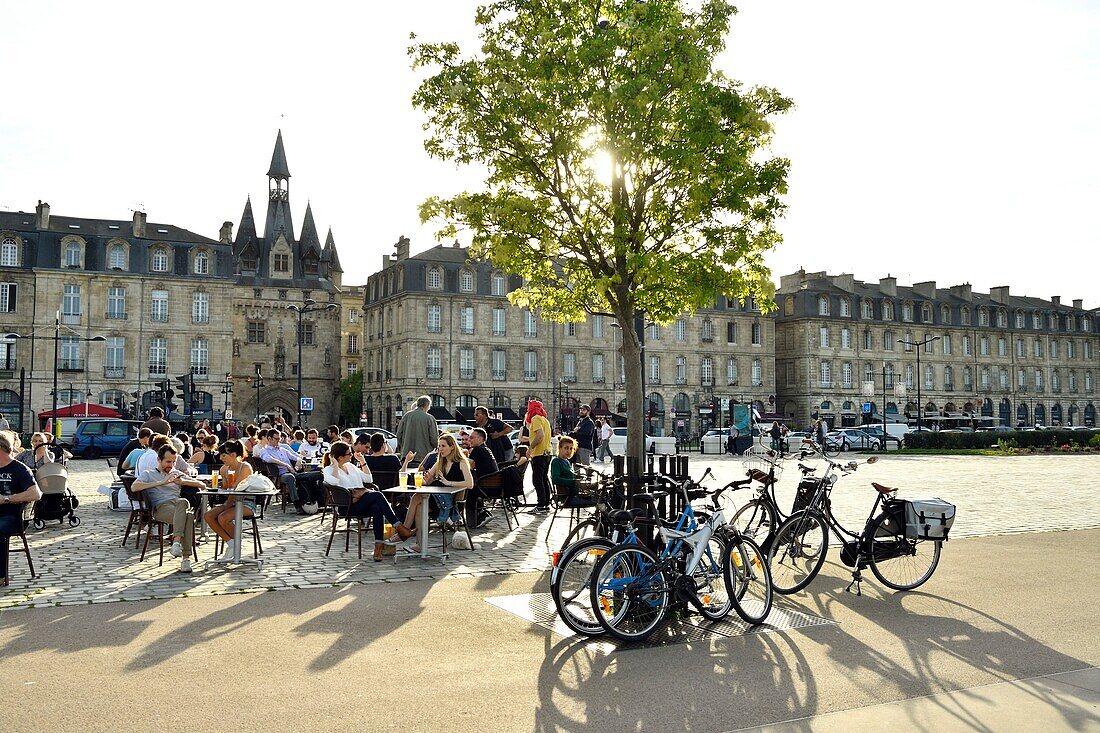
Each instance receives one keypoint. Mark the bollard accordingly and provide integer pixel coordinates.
(619, 465)
(662, 464)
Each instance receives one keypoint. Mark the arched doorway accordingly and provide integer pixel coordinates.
(11, 407)
(1040, 414)
(1074, 413)
(1006, 412)
(987, 407)
(599, 406)
(655, 415)
(1021, 415)
(568, 417)
(790, 410)
(950, 407)
(968, 408)
(1090, 416)
(1056, 414)
(202, 405)
(681, 417)
(911, 410)
(368, 408)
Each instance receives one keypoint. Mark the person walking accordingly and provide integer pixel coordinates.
(157, 423)
(585, 435)
(538, 438)
(418, 431)
(776, 434)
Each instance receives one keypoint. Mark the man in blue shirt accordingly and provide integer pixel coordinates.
(287, 462)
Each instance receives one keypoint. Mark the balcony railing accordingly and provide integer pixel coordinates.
(200, 371)
(7, 365)
(158, 370)
(530, 376)
(569, 378)
(707, 382)
(70, 365)
(435, 373)
(115, 315)
(654, 380)
(498, 375)
(597, 380)
(353, 351)
(466, 373)
(467, 330)
(113, 372)
(681, 380)
(499, 332)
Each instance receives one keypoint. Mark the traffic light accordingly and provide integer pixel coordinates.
(186, 384)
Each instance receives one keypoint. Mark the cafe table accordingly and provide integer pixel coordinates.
(238, 522)
(422, 523)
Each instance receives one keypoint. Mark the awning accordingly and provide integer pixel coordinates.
(440, 413)
(507, 414)
(464, 414)
(81, 410)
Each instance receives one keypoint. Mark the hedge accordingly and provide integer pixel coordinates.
(987, 439)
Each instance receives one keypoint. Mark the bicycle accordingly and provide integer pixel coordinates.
(899, 561)
(632, 584)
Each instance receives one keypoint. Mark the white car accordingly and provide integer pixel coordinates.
(390, 437)
(617, 443)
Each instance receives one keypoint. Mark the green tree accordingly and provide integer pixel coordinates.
(351, 399)
(623, 172)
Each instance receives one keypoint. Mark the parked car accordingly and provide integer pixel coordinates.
(95, 437)
(850, 438)
(875, 431)
(390, 437)
(618, 441)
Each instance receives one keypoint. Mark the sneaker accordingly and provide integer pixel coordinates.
(185, 565)
(540, 510)
(176, 549)
(482, 517)
(228, 553)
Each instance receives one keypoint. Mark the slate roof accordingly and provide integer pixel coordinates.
(329, 255)
(309, 241)
(20, 221)
(279, 168)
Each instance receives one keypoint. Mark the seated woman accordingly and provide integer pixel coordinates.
(205, 455)
(561, 472)
(220, 518)
(38, 454)
(365, 502)
(451, 468)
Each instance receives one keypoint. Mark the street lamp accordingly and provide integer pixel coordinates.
(309, 305)
(258, 384)
(227, 389)
(918, 345)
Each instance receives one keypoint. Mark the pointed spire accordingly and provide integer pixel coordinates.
(329, 255)
(309, 243)
(278, 167)
(246, 232)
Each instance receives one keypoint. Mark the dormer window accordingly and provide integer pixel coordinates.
(281, 262)
(309, 266)
(9, 252)
(926, 313)
(907, 312)
(73, 255)
(202, 262)
(499, 284)
(887, 310)
(945, 315)
(435, 278)
(116, 257)
(845, 308)
(466, 281)
(823, 306)
(868, 309)
(160, 260)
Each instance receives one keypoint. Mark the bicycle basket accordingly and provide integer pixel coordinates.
(757, 463)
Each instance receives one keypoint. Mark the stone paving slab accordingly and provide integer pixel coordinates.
(995, 495)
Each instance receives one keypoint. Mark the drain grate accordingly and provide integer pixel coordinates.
(538, 608)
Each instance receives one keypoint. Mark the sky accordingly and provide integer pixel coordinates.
(949, 141)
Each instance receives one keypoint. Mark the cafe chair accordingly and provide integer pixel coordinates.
(28, 516)
(462, 526)
(254, 530)
(491, 488)
(341, 509)
(137, 512)
(162, 528)
(573, 500)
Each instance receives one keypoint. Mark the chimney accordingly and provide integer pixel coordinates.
(139, 224)
(457, 245)
(225, 236)
(926, 290)
(789, 283)
(402, 248)
(1078, 303)
(999, 295)
(845, 282)
(888, 285)
(1056, 299)
(962, 291)
(42, 216)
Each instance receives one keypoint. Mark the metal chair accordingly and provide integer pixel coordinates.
(27, 516)
(491, 488)
(341, 509)
(161, 526)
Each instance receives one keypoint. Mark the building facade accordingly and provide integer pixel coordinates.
(441, 324)
(993, 357)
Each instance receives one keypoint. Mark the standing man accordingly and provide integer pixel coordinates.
(17, 487)
(538, 438)
(584, 434)
(603, 452)
(776, 435)
(418, 431)
(4, 425)
(497, 432)
(163, 484)
(332, 434)
(157, 423)
(820, 432)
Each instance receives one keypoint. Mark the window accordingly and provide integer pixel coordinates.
(681, 329)
(845, 374)
(72, 254)
(823, 306)
(845, 308)
(435, 278)
(968, 378)
(826, 374)
(498, 321)
(731, 371)
(845, 338)
(9, 252)
(498, 284)
(200, 308)
(1086, 324)
(731, 333)
(788, 306)
(570, 329)
(908, 341)
(466, 363)
(945, 315)
(353, 343)
(160, 260)
(707, 370)
(1036, 320)
(1073, 381)
(654, 332)
(888, 341)
(909, 376)
(947, 344)
(1021, 378)
(158, 356)
(530, 366)
(160, 306)
(116, 303)
(1003, 376)
(1002, 319)
(681, 370)
(867, 340)
(1055, 381)
(248, 262)
(757, 337)
(200, 357)
(307, 333)
(1002, 347)
(1020, 350)
(1038, 379)
(1071, 350)
(930, 376)
(466, 281)
(435, 321)
(257, 332)
(926, 313)
(1038, 348)
(281, 262)
(654, 370)
(928, 344)
(569, 367)
(887, 310)
(758, 375)
(7, 354)
(907, 312)
(70, 304)
(498, 360)
(983, 345)
(823, 337)
(1086, 350)
(597, 327)
(707, 331)
(7, 297)
(353, 368)
(867, 309)
(597, 368)
(202, 262)
(948, 378)
(1088, 382)
(983, 317)
(1019, 319)
(1054, 348)
(435, 363)
(466, 319)
(530, 325)
(868, 372)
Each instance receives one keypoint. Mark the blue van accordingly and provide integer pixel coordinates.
(96, 436)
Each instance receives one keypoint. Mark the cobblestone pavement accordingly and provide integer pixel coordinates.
(87, 564)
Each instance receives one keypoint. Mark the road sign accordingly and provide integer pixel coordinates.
(307, 404)
(228, 414)
(867, 406)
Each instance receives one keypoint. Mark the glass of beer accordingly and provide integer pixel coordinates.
(230, 479)
(418, 479)
(214, 479)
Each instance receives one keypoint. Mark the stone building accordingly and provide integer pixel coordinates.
(438, 323)
(991, 358)
(351, 330)
(159, 295)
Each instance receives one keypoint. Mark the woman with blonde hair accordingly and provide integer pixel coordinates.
(452, 468)
(38, 454)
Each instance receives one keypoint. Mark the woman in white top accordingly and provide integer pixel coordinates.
(365, 502)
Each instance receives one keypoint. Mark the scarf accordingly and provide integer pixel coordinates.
(534, 407)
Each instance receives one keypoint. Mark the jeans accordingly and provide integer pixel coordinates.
(446, 503)
(374, 505)
(291, 482)
(604, 450)
(10, 524)
(540, 467)
(583, 456)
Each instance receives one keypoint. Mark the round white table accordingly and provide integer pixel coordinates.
(238, 522)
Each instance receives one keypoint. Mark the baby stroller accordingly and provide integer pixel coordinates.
(58, 500)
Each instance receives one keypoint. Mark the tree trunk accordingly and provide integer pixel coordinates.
(635, 409)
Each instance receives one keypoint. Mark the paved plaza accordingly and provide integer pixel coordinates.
(87, 564)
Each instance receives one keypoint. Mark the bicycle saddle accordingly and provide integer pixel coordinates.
(883, 489)
(625, 516)
(806, 469)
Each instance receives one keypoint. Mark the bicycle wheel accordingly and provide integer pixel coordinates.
(831, 450)
(583, 530)
(748, 580)
(797, 552)
(755, 520)
(897, 561)
(710, 588)
(570, 584)
(630, 594)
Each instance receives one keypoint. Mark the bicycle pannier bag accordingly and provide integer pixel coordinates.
(806, 490)
(928, 519)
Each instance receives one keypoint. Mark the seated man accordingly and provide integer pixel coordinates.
(141, 441)
(287, 464)
(312, 446)
(17, 487)
(484, 463)
(163, 484)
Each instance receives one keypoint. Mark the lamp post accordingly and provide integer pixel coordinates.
(227, 389)
(309, 305)
(258, 384)
(918, 345)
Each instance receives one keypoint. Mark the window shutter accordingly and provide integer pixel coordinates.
(11, 297)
